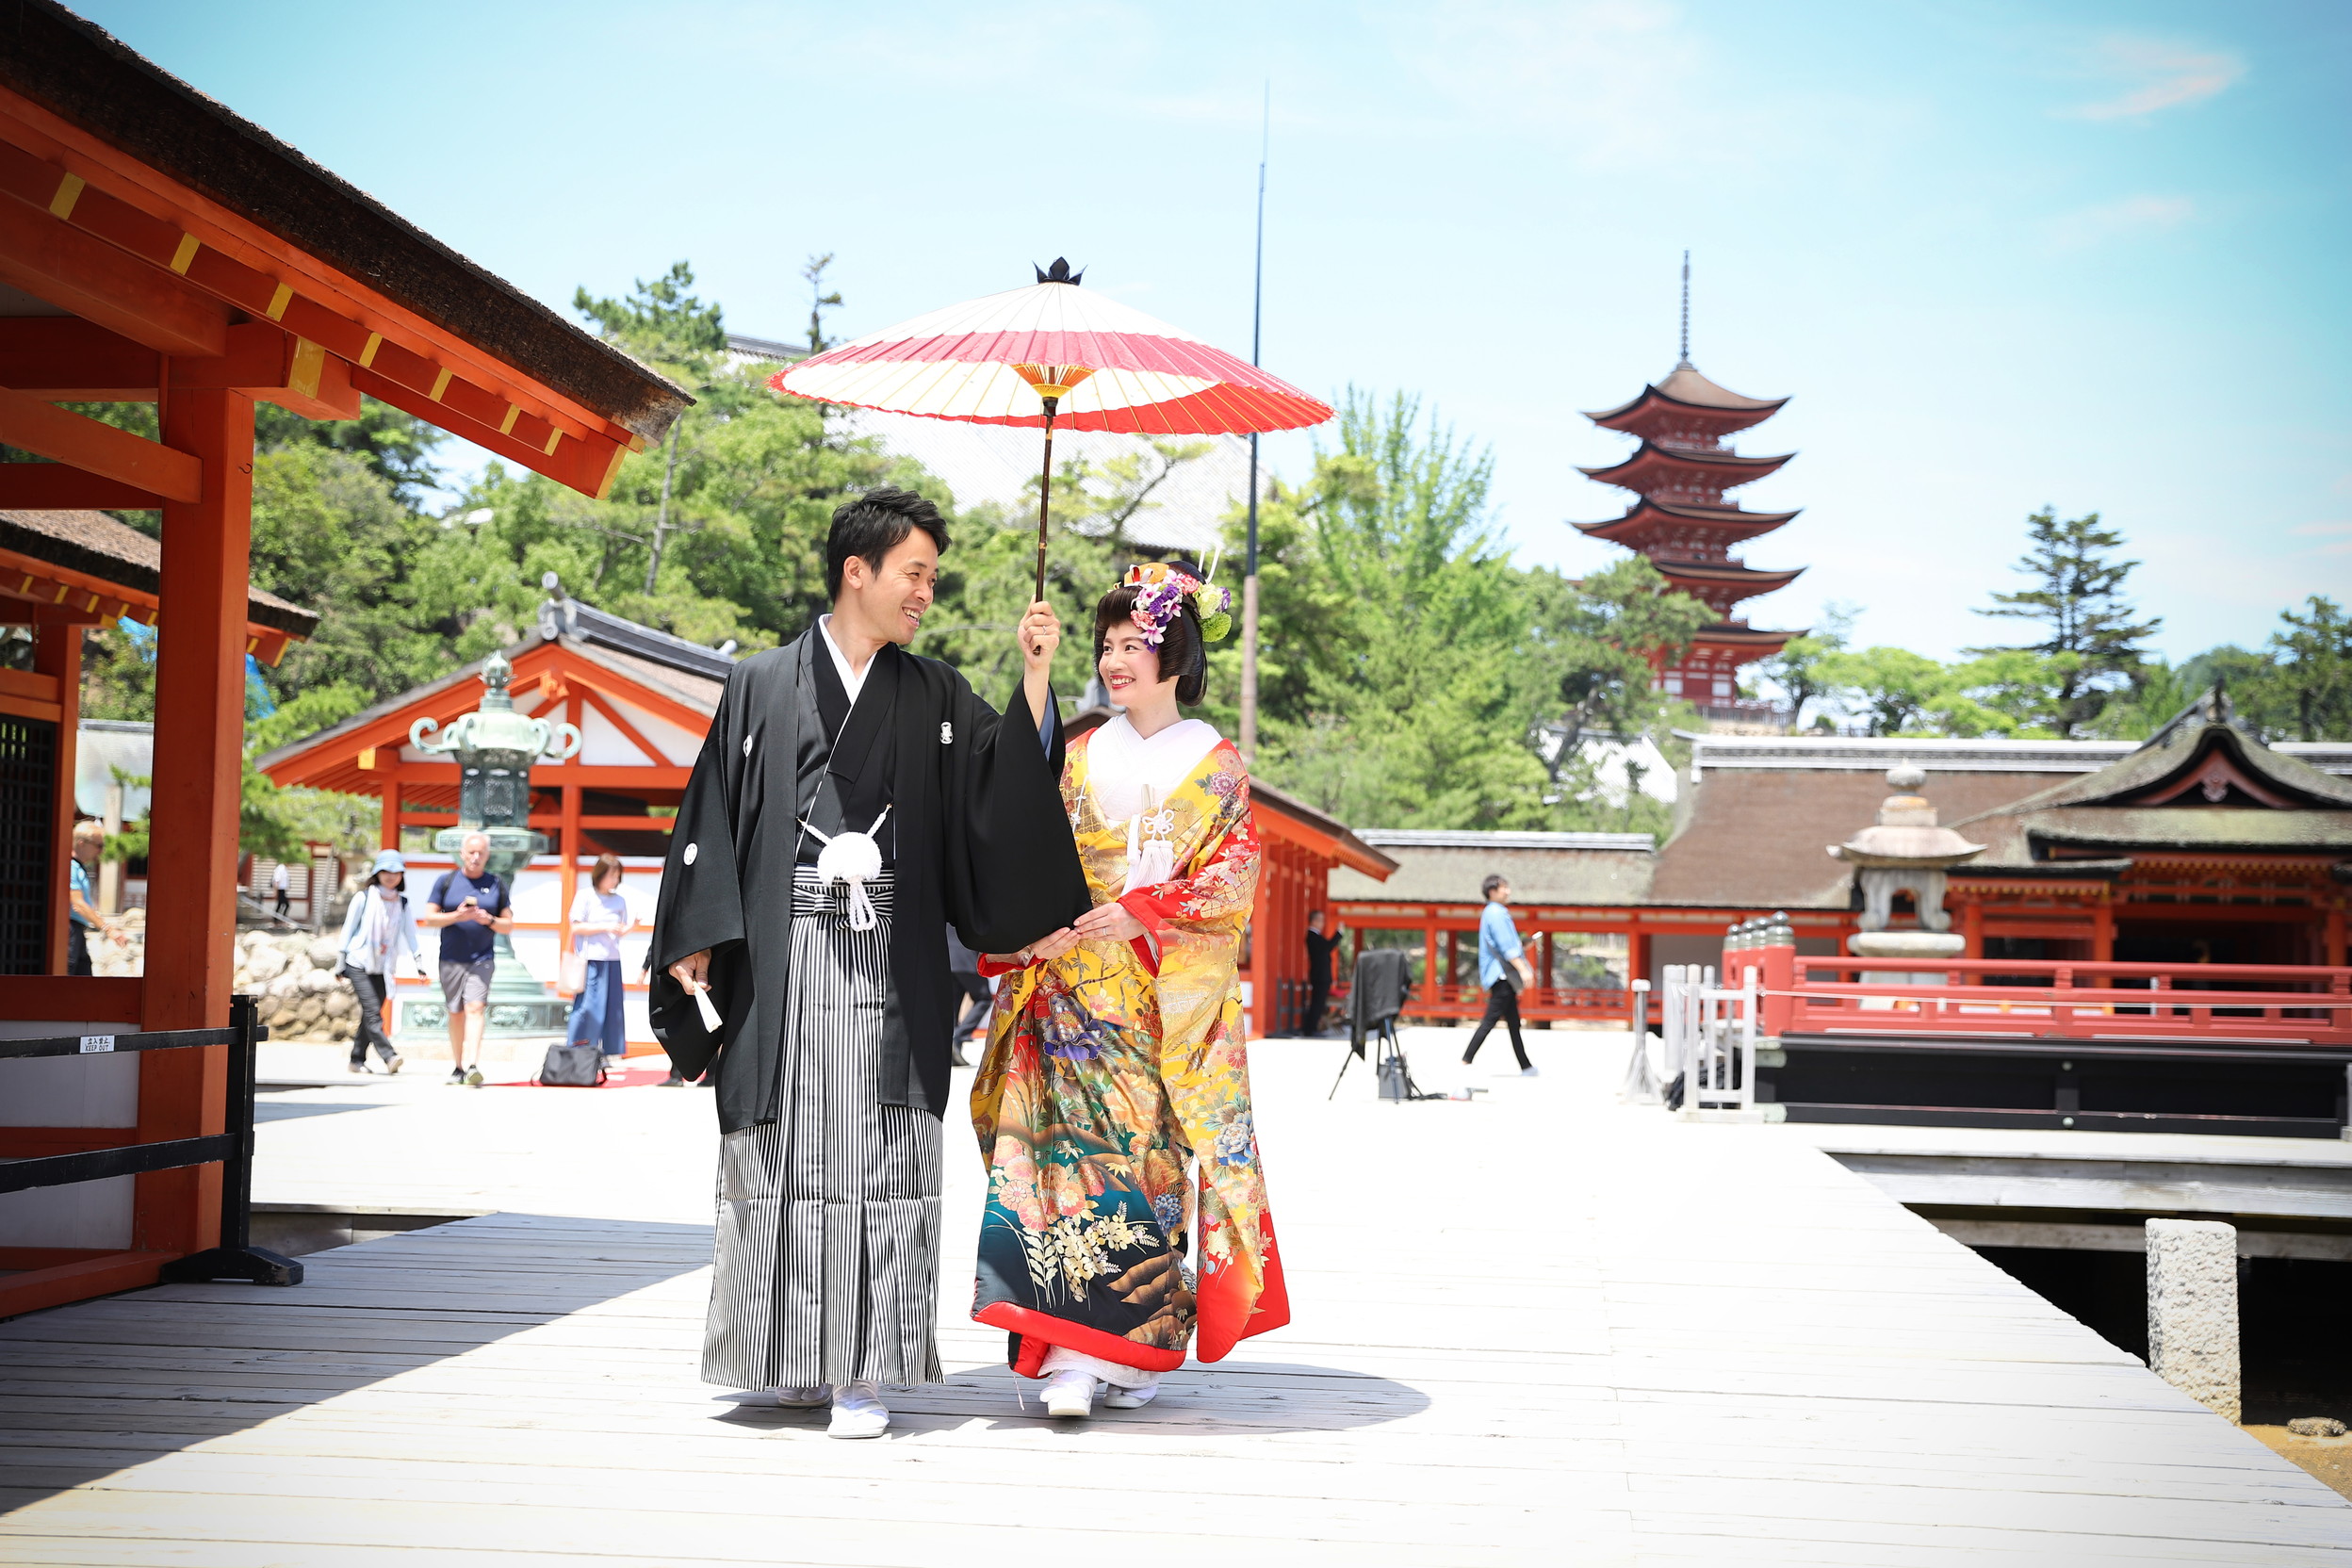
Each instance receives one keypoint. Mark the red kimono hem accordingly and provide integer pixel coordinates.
(1041, 1332)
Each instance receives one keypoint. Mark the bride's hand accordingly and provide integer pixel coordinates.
(1049, 948)
(1108, 922)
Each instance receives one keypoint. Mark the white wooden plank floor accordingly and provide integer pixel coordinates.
(1539, 1328)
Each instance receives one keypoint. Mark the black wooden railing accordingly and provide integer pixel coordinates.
(235, 1258)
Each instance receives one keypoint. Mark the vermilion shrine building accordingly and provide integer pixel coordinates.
(2200, 846)
(643, 700)
(154, 248)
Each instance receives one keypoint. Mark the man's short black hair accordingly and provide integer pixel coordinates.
(872, 524)
(1494, 880)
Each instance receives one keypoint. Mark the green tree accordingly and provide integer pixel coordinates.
(397, 446)
(1796, 669)
(1432, 678)
(2091, 643)
(682, 336)
(1900, 692)
(1607, 635)
(2308, 684)
(2157, 694)
(821, 300)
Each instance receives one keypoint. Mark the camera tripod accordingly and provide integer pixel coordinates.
(1389, 1069)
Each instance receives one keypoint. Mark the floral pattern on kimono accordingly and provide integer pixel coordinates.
(1114, 1071)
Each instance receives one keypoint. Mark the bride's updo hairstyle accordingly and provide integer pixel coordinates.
(1182, 647)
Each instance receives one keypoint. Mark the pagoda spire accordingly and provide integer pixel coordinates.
(1684, 363)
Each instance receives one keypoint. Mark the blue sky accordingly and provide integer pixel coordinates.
(2000, 254)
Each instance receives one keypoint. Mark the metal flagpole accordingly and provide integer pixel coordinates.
(1249, 560)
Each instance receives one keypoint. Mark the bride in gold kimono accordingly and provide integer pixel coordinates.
(1116, 1062)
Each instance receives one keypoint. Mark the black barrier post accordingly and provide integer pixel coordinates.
(236, 1258)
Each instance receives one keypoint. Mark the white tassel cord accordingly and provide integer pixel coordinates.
(851, 859)
(1150, 862)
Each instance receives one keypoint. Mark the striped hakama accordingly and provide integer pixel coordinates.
(828, 1219)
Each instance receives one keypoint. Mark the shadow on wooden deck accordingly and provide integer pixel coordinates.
(90, 1389)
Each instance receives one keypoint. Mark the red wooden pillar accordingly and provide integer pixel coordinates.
(192, 861)
(2334, 956)
(388, 833)
(58, 654)
(2104, 933)
(1428, 958)
(1972, 928)
(567, 844)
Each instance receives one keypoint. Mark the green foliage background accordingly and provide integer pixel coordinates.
(1412, 673)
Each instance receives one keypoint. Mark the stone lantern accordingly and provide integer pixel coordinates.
(1906, 851)
(493, 747)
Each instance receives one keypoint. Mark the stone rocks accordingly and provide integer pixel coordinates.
(294, 977)
(2316, 1426)
(2193, 1310)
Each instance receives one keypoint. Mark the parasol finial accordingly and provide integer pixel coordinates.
(1059, 272)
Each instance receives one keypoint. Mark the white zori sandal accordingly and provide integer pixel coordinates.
(1073, 1379)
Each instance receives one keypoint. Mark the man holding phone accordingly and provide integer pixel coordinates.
(468, 907)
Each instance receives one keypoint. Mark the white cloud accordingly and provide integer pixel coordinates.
(2132, 215)
(2335, 538)
(2162, 75)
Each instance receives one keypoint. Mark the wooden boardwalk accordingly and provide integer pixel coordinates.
(1539, 1328)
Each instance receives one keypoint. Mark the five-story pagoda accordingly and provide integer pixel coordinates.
(1681, 520)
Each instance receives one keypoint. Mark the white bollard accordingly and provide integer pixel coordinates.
(2193, 1310)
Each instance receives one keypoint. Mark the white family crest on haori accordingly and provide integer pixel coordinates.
(947, 733)
(1130, 776)
(856, 859)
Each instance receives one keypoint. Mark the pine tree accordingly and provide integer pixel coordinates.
(2092, 643)
(2311, 677)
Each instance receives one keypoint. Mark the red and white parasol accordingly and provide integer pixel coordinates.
(1052, 353)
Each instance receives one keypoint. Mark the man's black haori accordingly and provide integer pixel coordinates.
(981, 840)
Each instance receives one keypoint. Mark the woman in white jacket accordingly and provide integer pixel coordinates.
(379, 922)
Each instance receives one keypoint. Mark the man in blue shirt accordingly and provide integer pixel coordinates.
(1502, 970)
(469, 907)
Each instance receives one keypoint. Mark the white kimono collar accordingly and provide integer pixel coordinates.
(1129, 774)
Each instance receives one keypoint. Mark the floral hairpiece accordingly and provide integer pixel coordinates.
(1165, 588)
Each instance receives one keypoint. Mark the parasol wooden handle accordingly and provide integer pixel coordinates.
(1045, 497)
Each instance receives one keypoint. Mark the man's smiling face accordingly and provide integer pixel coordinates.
(889, 604)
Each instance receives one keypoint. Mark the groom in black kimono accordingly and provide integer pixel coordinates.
(852, 800)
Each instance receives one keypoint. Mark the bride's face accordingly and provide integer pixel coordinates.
(1130, 666)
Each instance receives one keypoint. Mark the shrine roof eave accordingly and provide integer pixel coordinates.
(2175, 752)
(1726, 468)
(1722, 635)
(2040, 870)
(1733, 523)
(1747, 581)
(2221, 830)
(129, 162)
(84, 74)
(118, 559)
(1324, 834)
(325, 760)
(1698, 396)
